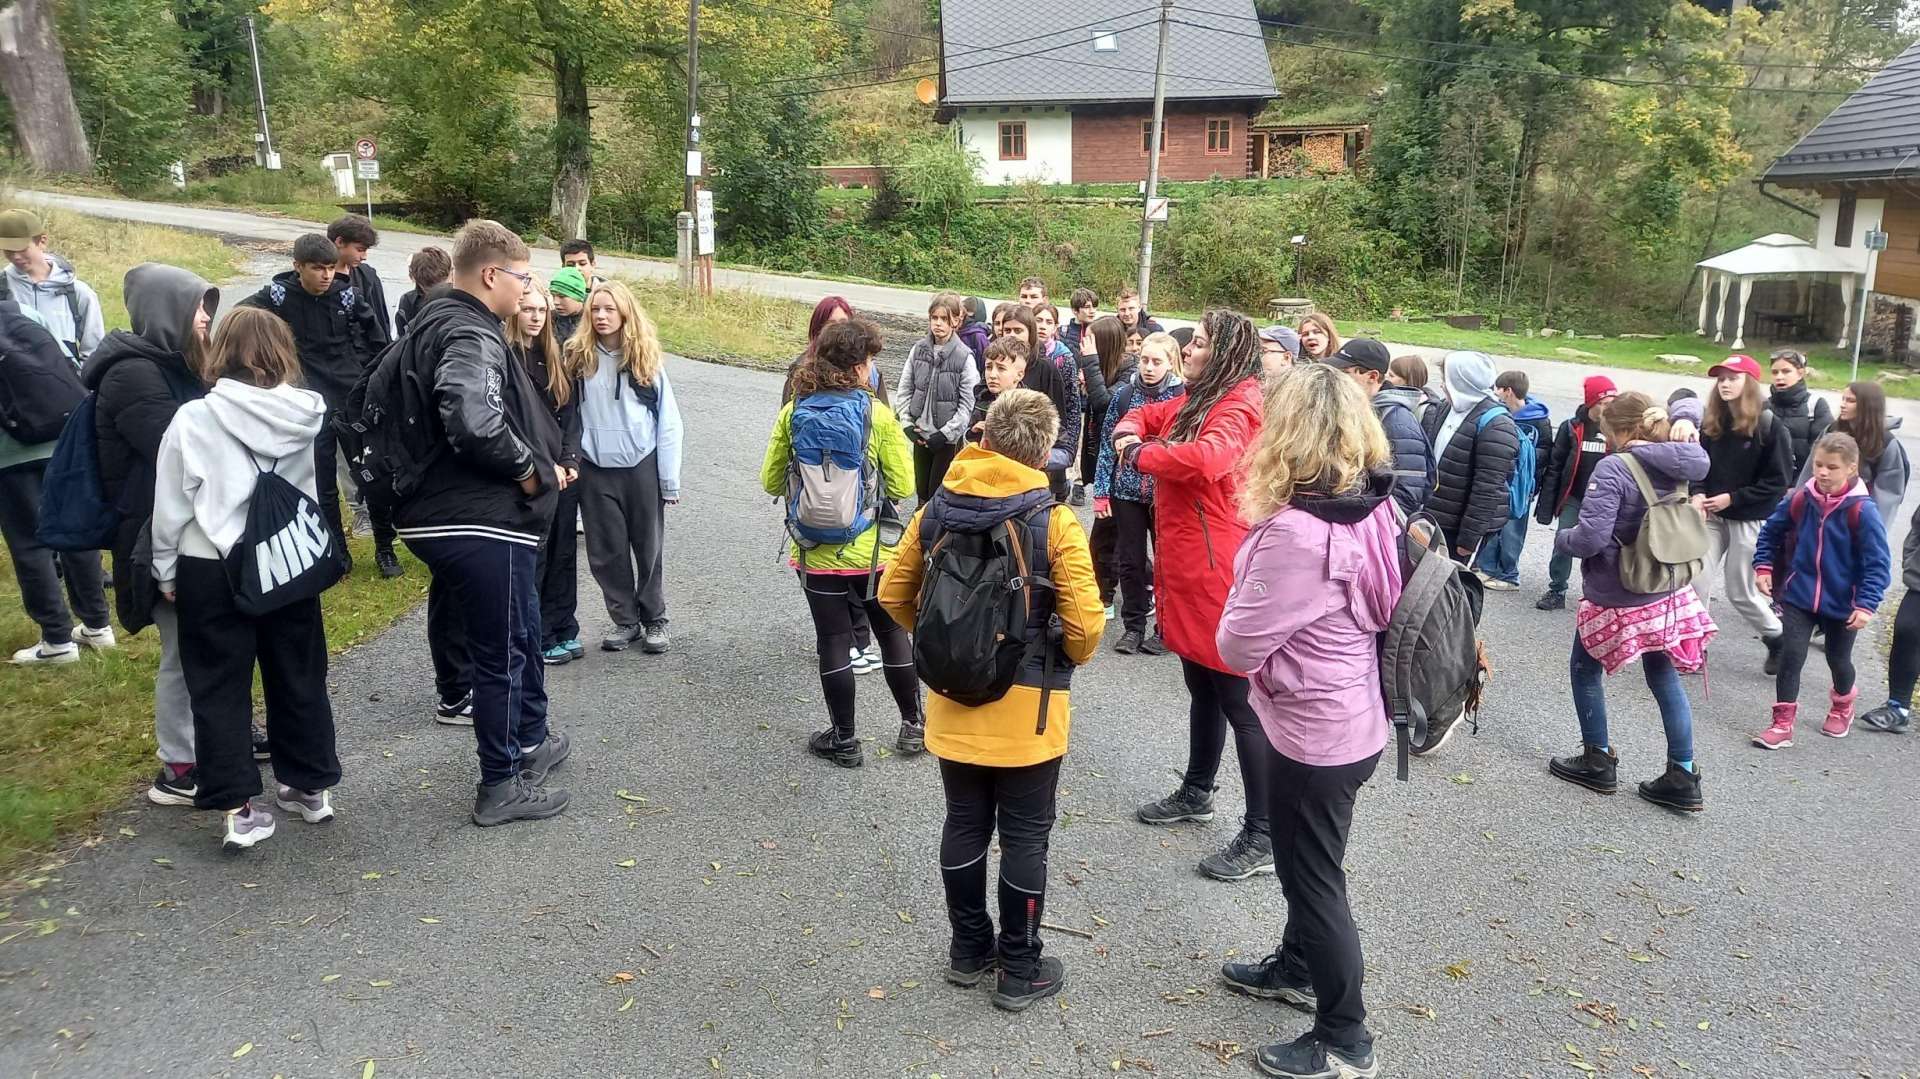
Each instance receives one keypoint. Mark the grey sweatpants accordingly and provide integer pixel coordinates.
(1730, 547)
(626, 539)
(172, 708)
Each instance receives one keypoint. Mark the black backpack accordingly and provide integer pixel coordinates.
(384, 433)
(1432, 664)
(39, 384)
(975, 628)
(286, 553)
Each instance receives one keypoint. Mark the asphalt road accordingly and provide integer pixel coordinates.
(717, 902)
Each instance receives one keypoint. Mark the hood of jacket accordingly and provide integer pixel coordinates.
(982, 489)
(1532, 410)
(1470, 378)
(1828, 503)
(271, 423)
(1349, 507)
(1168, 385)
(160, 302)
(1407, 396)
(1679, 461)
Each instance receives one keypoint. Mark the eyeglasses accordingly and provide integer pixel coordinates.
(525, 279)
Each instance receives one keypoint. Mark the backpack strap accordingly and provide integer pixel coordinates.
(1640, 478)
(1030, 537)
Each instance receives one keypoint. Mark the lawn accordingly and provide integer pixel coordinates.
(728, 327)
(102, 251)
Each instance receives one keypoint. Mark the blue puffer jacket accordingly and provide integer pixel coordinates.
(1110, 480)
(1836, 554)
(1413, 464)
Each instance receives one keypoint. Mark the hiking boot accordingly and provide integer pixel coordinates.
(262, 749)
(654, 638)
(540, 761)
(1551, 601)
(313, 806)
(827, 745)
(1247, 855)
(1014, 994)
(1780, 734)
(1129, 642)
(1772, 665)
(1155, 645)
(1591, 768)
(44, 654)
(968, 972)
(558, 655)
(246, 826)
(1307, 1057)
(455, 713)
(620, 637)
(1439, 732)
(516, 799)
(913, 737)
(1187, 803)
(174, 788)
(96, 639)
(1676, 788)
(387, 562)
(1890, 718)
(1268, 980)
(1839, 714)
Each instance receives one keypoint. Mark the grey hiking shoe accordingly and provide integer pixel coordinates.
(536, 764)
(515, 799)
(653, 640)
(314, 807)
(913, 737)
(1307, 1057)
(1247, 855)
(1267, 979)
(1187, 803)
(619, 637)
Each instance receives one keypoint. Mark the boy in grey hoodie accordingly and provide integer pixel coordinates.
(44, 283)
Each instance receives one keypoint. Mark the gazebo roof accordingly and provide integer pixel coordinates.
(1779, 253)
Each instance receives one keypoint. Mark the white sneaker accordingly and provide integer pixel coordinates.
(94, 638)
(246, 826)
(44, 653)
(862, 662)
(313, 806)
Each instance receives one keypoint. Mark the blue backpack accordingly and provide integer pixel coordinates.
(1525, 480)
(833, 491)
(75, 514)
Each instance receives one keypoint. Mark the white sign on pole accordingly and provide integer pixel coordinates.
(1157, 209)
(367, 169)
(703, 221)
(693, 162)
(1876, 240)
(366, 150)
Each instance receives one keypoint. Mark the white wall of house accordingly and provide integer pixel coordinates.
(1049, 143)
(1866, 217)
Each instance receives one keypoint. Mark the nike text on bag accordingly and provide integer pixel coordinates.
(39, 385)
(1432, 664)
(286, 554)
(833, 490)
(1671, 549)
(75, 514)
(1526, 475)
(982, 617)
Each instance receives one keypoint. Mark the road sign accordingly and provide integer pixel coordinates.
(1157, 209)
(703, 221)
(367, 169)
(366, 150)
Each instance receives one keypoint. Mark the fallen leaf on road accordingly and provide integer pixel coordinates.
(1462, 779)
(243, 1051)
(1460, 971)
(1703, 1024)
(1419, 1011)
(628, 1003)
(128, 832)
(383, 984)
(329, 979)
(627, 795)
(877, 993)
(163, 861)
(370, 875)
(904, 916)
(620, 977)
(367, 1072)
(627, 864)
(430, 921)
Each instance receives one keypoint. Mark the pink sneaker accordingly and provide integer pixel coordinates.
(1780, 735)
(1839, 714)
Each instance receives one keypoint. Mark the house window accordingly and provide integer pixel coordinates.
(1146, 137)
(1106, 41)
(1843, 222)
(1013, 141)
(1220, 136)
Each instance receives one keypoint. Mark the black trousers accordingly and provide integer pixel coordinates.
(1312, 809)
(560, 574)
(1796, 630)
(929, 468)
(1132, 566)
(1218, 701)
(831, 598)
(219, 648)
(1903, 666)
(447, 640)
(326, 478)
(40, 569)
(1089, 448)
(1021, 800)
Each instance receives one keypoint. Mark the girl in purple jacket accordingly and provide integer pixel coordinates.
(1669, 633)
(1314, 583)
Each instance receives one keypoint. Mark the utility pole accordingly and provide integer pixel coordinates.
(1153, 161)
(264, 136)
(694, 168)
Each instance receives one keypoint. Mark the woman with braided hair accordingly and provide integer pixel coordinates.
(1193, 447)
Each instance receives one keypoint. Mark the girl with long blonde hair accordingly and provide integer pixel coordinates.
(1314, 583)
(630, 439)
(1750, 468)
(531, 335)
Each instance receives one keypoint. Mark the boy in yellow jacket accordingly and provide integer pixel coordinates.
(1002, 758)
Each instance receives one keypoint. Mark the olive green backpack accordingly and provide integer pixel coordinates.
(1671, 549)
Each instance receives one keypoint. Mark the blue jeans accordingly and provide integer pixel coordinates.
(1500, 553)
(1590, 700)
(492, 587)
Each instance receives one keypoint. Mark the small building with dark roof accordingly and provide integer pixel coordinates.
(1052, 91)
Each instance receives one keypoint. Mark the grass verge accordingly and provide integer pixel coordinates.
(79, 738)
(728, 327)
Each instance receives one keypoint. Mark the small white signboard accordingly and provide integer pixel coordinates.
(367, 169)
(703, 221)
(1157, 209)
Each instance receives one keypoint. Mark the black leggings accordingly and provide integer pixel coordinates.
(829, 597)
(1022, 801)
(1796, 629)
(1132, 566)
(1219, 701)
(1903, 666)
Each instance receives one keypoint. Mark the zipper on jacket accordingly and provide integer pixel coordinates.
(1206, 537)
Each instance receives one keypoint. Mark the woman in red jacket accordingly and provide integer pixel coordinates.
(1192, 447)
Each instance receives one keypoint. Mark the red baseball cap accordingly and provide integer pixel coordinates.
(1737, 364)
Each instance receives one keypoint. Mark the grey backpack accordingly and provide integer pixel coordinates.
(1671, 549)
(1432, 664)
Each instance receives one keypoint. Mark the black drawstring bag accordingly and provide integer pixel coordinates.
(287, 553)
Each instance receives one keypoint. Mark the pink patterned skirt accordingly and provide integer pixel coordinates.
(1676, 624)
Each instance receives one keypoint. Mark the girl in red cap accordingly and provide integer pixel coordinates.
(1749, 468)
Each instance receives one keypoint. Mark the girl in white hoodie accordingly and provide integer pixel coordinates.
(213, 452)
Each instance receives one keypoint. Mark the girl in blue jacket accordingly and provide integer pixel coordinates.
(1823, 558)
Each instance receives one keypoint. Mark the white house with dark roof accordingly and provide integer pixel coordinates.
(1053, 91)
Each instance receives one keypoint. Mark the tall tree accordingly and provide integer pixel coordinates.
(33, 73)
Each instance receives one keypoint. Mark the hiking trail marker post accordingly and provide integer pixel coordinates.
(366, 166)
(703, 224)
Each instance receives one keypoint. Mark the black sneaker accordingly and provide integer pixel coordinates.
(1187, 803)
(968, 972)
(1590, 768)
(1676, 788)
(1890, 718)
(388, 562)
(455, 713)
(1018, 994)
(545, 757)
(1307, 1057)
(1247, 855)
(516, 799)
(1129, 642)
(827, 745)
(913, 737)
(1079, 494)
(1155, 645)
(1772, 665)
(1267, 980)
(262, 750)
(171, 790)
(1551, 601)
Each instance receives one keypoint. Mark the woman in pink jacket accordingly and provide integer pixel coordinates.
(1314, 583)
